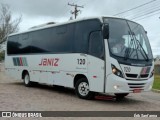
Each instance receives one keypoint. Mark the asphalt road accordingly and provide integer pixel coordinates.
(14, 96)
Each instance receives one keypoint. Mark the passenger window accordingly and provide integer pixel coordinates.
(61, 29)
(82, 33)
(12, 45)
(25, 36)
(96, 47)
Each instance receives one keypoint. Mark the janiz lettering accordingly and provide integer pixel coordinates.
(81, 61)
(49, 62)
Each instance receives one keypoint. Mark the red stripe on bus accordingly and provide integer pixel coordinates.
(21, 63)
(94, 76)
(144, 70)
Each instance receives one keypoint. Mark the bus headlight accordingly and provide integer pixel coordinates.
(116, 71)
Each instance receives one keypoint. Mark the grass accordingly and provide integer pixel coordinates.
(156, 84)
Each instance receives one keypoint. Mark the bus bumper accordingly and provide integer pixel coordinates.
(115, 84)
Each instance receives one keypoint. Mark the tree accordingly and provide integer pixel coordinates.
(7, 24)
(2, 55)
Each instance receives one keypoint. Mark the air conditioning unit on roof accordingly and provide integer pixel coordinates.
(42, 25)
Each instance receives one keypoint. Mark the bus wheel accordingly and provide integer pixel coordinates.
(82, 89)
(27, 81)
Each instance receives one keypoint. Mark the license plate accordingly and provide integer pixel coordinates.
(136, 90)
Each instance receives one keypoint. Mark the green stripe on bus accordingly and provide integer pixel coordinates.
(19, 64)
(23, 61)
(26, 62)
(16, 59)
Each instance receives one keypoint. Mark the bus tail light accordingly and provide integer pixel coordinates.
(116, 71)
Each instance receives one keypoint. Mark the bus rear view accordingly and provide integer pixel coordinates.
(92, 55)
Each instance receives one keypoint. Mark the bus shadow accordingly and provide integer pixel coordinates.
(58, 89)
(70, 92)
(124, 101)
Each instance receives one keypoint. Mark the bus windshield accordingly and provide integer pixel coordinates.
(128, 40)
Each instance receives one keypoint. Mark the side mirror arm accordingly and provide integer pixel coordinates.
(106, 31)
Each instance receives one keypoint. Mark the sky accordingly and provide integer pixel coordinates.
(35, 12)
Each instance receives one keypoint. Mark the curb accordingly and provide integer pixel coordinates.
(155, 90)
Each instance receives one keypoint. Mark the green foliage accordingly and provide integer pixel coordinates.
(156, 84)
(8, 25)
(157, 69)
(2, 55)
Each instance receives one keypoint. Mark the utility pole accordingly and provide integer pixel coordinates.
(75, 12)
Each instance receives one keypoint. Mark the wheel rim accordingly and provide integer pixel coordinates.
(83, 88)
(26, 79)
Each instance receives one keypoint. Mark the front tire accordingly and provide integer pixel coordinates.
(27, 81)
(82, 89)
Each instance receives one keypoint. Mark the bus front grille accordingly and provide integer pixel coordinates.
(144, 75)
(136, 85)
(136, 76)
(131, 75)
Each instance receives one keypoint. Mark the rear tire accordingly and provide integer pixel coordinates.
(27, 81)
(82, 89)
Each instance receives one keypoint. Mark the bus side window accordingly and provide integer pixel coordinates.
(13, 45)
(96, 47)
(24, 42)
(61, 29)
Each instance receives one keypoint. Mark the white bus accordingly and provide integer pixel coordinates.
(92, 55)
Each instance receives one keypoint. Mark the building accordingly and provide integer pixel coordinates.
(157, 65)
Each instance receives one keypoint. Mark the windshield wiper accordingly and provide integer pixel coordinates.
(146, 56)
(141, 48)
(128, 50)
(134, 41)
(135, 44)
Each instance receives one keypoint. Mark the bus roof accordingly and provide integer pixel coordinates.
(35, 28)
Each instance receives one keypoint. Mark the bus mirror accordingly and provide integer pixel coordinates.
(106, 31)
(146, 32)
